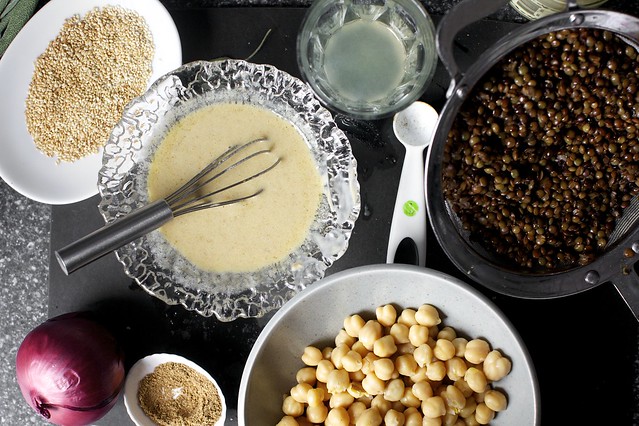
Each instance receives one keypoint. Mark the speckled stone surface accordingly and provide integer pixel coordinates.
(25, 236)
(24, 268)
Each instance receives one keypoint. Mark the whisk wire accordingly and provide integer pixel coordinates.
(185, 189)
(180, 202)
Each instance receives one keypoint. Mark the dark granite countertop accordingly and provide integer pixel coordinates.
(25, 237)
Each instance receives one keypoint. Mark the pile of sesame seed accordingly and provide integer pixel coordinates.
(84, 79)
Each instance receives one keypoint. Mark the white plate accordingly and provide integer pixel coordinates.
(22, 165)
(146, 366)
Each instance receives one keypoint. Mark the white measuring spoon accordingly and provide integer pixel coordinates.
(414, 128)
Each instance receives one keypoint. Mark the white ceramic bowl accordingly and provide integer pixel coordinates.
(315, 316)
(146, 366)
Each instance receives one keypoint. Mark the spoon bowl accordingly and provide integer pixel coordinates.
(414, 128)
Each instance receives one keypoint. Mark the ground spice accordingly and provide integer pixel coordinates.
(174, 394)
(84, 79)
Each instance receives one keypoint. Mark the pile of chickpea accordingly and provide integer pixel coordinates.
(398, 370)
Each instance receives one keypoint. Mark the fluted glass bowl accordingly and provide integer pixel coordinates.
(165, 273)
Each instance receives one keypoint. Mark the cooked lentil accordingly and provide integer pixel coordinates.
(543, 155)
(85, 78)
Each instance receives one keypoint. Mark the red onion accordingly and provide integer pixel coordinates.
(70, 369)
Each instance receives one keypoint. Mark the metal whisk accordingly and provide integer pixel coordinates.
(144, 220)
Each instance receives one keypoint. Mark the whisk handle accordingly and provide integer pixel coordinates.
(113, 236)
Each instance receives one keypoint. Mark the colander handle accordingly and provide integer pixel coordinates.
(628, 287)
(458, 18)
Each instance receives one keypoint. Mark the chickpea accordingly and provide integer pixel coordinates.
(300, 391)
(460, 346)
(462, 385)
(454, 399)
(315, 397)
(384, 346)
(483, 414)
(373, 385)
(343, 338)
(418, 334)
(436, 371)
(287, 421)
(327, 352)
(312, 356)
(370, 417)
(384, 368)
(323, 370)
(450, 419)
(386, 315)
(394, 390)
(419, 375)
(434, 407)
(495, 400)
(437, 421)
(399, 333)
(476, 351)
(356, 390)
(338, 381)
(413, 417)
(359, 348)
(496, 366)
(356, 410)
(382, 404)
(470, 421)
(356, 376)
(427, 315)
(322, 386)
(409, 399)
(405, 348)
(306, 375)
(371, 331)
(352, 361)
(394, 418)
(341, 399)
(423, 390)
(423, 354)
(447, 333)
(476, 379)
(456, 368)
(406, 365)
(337, 355)
(407, 317)
(367, 363)
(353, 324)
(337, 417)
(433, 331)
(292, 407)
(469, 408)
(444, 349)
(316, 413)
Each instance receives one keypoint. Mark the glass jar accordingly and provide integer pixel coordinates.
(535, 9)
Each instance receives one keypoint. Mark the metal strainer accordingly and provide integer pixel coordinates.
(616, 264)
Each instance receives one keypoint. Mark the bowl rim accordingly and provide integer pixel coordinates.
(146, 365)
(381, 269)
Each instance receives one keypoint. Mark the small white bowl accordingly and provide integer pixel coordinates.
(146, 366)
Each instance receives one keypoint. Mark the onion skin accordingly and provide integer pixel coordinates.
(70, 369)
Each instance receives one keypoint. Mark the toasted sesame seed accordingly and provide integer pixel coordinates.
(83, 80)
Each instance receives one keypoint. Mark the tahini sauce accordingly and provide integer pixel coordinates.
(254, 233)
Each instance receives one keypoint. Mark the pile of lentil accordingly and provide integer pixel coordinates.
(543, 155)
(83, 80)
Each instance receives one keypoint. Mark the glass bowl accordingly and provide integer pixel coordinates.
(160, 269)
(367, 59)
